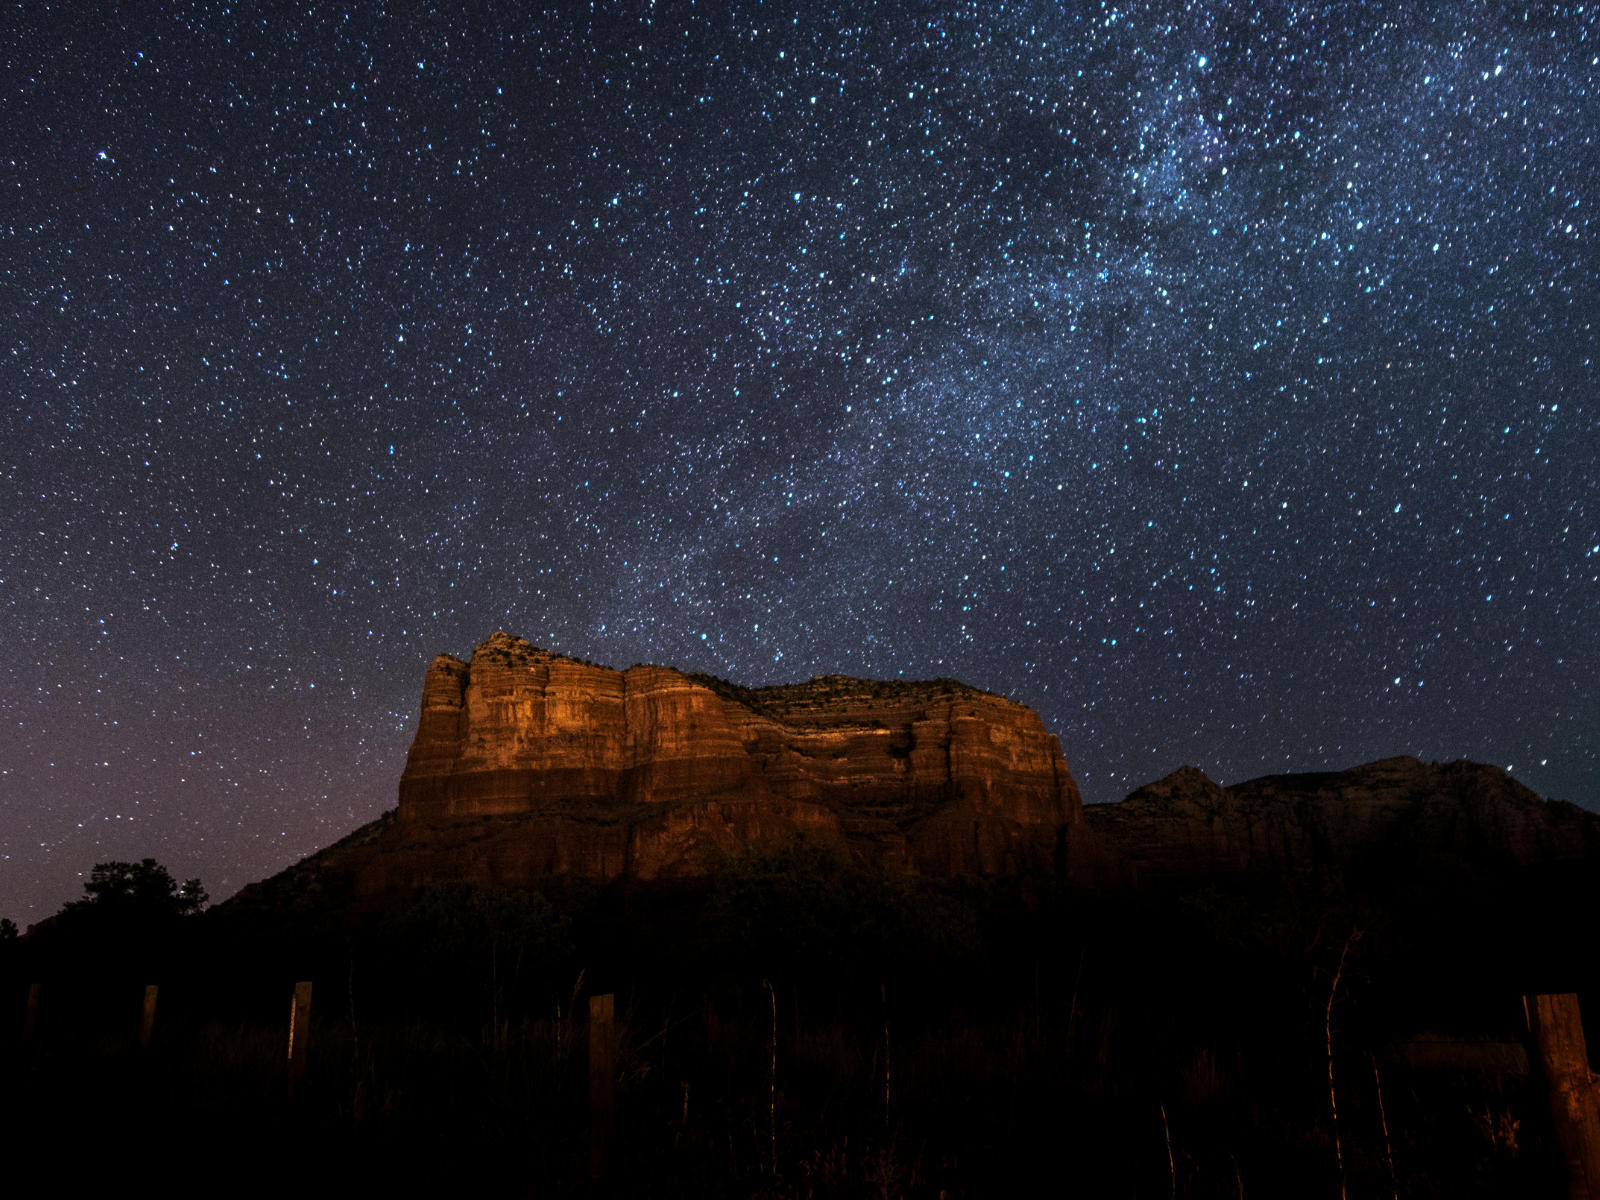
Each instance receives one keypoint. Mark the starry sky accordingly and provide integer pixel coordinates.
(1216, 379)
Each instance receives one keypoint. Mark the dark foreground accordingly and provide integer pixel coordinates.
(802, 1028)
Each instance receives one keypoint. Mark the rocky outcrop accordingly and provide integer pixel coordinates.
(528, 764)
(1185, 828)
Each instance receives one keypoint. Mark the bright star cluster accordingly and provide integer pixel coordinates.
(1218, 381)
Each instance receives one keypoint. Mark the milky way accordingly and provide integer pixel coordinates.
(1218, 383)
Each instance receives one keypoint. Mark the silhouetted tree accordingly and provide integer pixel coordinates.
(144, 887)
(803, 907)
(133, 916)
(486, 937)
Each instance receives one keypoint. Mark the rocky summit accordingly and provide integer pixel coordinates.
(528, 764)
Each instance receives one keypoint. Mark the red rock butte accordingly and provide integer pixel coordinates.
(528, 763)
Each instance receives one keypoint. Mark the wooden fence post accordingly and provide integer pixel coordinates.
(147, 1017)
(299, 1032)
(31, 1016)
(602, 1078)
(1557, 1030)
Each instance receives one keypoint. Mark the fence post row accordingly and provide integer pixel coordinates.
(299, 1032)
(602, 1078)
(1557, 1029)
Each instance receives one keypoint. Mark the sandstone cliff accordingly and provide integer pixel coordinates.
(1185, 828)
(528, 764)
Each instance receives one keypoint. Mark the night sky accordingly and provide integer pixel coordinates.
(1218, 380)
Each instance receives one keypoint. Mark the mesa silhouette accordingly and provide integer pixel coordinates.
(1383, 817)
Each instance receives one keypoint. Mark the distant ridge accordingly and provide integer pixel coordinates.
(1185, 828)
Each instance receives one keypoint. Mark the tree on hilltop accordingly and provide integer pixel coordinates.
(145, 888)
(132, 915)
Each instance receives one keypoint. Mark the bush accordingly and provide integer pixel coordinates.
(802, 908)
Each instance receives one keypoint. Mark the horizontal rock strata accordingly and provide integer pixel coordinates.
(528, 764)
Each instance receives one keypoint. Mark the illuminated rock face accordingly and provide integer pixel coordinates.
(555, 765)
